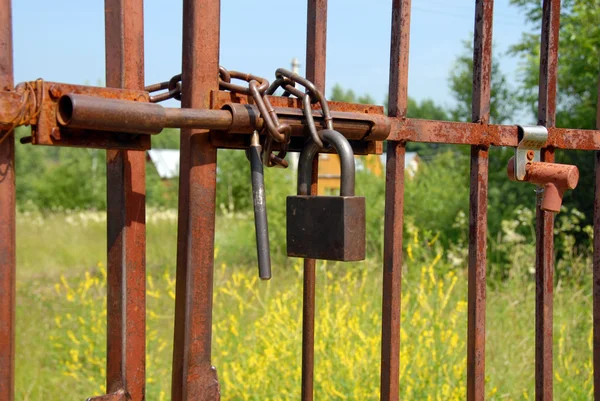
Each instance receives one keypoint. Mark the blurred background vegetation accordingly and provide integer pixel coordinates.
(51, 179)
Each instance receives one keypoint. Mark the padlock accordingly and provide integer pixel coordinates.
(326, 227)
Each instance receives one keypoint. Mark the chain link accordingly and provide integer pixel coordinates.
(259, 89)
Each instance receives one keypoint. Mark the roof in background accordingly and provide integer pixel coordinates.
(166, 162)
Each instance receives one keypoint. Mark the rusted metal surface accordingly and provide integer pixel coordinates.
(89, 112)
(76, 111)
(47, 131)
(596, 264)
(544, 264)
(7, 219)
(460, 133)
(355, 121)
(478, 203)
(10, 104)
(394, 206)
(555, 179)
(316, 56)
(194, 378)
(73, 115)
(126, 215)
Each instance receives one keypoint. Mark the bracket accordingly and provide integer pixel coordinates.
(531, 140)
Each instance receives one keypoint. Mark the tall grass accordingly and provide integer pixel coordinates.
(257, 325)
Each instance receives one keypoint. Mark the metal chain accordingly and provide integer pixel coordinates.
(258, 89)
(287, 80)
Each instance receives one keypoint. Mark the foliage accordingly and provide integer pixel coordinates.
(339, 94)
(437, 197)
(256, 325)
(578, 53)
(502, 100)
(578, 71)
(347, 345)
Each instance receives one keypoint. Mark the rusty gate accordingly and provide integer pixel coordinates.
(122, 118)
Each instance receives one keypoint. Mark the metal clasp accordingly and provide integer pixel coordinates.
(531, 140)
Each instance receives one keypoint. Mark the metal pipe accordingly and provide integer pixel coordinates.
(89, 112)
(101, 114)
(259, 198)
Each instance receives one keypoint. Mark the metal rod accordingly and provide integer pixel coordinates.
(482, 70)
(545, 220)
(193, 376)
(95, 113)
(259, 199)
(113, 115)
(126, 217)
(394, 206)
(596, 264)
(7, 219)
(462, 133)
(102, 114)
(316, 61)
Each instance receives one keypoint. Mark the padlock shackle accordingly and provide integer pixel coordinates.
(343, 149)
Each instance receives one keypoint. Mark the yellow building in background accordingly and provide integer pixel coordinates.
(329, 169)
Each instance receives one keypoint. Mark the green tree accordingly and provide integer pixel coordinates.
(579, 46)
(578, 71)
(502, 98)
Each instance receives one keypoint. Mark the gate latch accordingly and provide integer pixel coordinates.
(553, 179)
(531, 140)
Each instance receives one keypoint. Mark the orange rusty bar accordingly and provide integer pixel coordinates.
(194, 378)
(7, 219)
(316, 54)
(462, 133)
(394, 206)
(596, 264)
(478, 202)
(126, 217)
(544, 270)
(555, 179)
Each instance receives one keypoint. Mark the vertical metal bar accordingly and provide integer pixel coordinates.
(126, 214)
(7, 219)
(394, 206)
(596, 265)
(316, 53)
(544, 262)
(482, 69)
(193, 376)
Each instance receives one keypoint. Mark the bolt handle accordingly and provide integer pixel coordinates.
(556, 179)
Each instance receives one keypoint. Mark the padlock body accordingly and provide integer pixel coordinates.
(326, 227)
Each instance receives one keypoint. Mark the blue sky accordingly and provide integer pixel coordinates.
(63, 40)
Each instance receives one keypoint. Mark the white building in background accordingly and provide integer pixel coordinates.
(166, 162)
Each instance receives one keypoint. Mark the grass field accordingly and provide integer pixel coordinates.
(257, 325)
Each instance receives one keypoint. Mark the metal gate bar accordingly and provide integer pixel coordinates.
(478, 203)
(7, 220)
(126, 215)
(394, 205)
(596, 264)
(316, 66)
(544, 263)
(194, 378)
